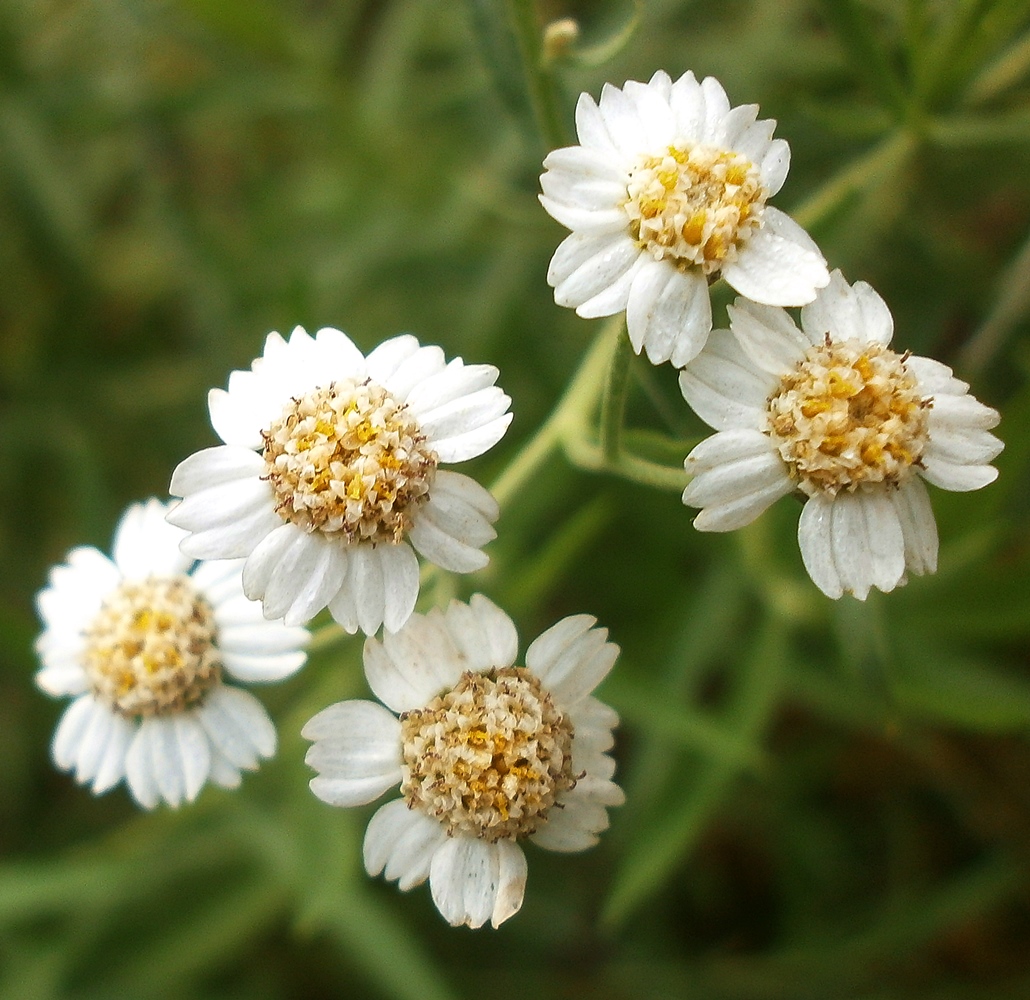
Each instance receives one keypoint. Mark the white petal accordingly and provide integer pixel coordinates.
(62, 677)
(584, 163)
(357, 752)
(960, 478)
(389, 356)
(75, 593)
(852, 542)
(455, 524)
(413, 665)
(960, 413)
(194, 753)
(571, 658)
(688, 104)
(473, 881)
(594, 275)
(669, 312)
(418, 366)
(139, 771)
(586, 221)
(935, 378)
(158, 737)
(232, 541)
(337, 355)
(572, 253)
(768, 336)
(622, 120)
(459, 419)
(94, 742)
(779, 265)
(263, 561)
(575, 821)
(717, 107)
(733, 514)
(775, 165)
(592, 130)
(145, 544)
(70, 730)
(238, 726)
(255, 669)
(308, 574)
(378, 577)
(847, 312)
(402, 841)
(962, 447)
(918, 526)
(652, 110)
(483, 634)
(597, 193)
(724, 387)
(224, 773)
(615, 296)
(111, 768)
(736, 477)
(214, 466)
(224, 505)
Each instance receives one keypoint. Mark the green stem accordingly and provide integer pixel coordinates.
(572, 410)
(543, 94)
(613, 401)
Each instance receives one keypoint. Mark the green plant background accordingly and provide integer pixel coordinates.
(825, 800)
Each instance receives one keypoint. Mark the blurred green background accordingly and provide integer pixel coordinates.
(825, 800)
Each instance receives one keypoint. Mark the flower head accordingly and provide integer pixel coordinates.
(666, 192)
(486, 753)
(831, 411)
(144, 642)
(329, 475)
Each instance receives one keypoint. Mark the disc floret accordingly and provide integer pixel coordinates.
(348, 459)
(151, 650)
(489, 757)
(695, 206)
(849, 414)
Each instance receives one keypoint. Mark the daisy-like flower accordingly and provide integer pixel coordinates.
(666, 192)
(328, 477)
(830, 410)
(143, 642)
(486, 753)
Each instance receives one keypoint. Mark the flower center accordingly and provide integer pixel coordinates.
(489, 757)
(151, 648)
(849, 414)
(347, 458)
(696, 206)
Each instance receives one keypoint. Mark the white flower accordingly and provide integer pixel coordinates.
(141, 642)
(486, 753)
(667, 191)
(328, 475)
(831, 411)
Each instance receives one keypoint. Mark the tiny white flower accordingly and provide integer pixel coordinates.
(486, 753)
(830, 410)
(328, 475)
(666, 192)
(141, 642)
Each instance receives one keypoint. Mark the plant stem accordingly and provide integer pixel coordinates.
(613, 401)
(539, 81)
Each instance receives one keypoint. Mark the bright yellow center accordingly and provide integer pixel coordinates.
(489, 757)
(151, 648)
(349, 459)
(848, 414)
(694, 206)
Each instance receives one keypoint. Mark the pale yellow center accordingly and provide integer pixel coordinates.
(151, 648)
(849, 414)
(489, 757)
(696, 206)
(349, 459)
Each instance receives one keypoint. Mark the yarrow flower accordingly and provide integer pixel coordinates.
(486, 753)
(831, 411)
(143, 643)
(666, 192)
(328, 475)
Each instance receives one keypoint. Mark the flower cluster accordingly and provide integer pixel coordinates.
(330, 481)
(667, 191)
